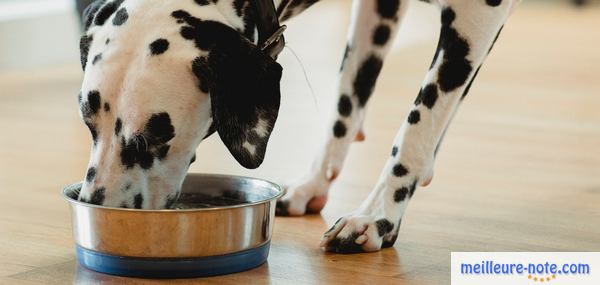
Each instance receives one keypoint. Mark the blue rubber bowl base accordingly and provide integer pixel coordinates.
(173, 267)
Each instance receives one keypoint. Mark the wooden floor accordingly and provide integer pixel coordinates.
(519, 170)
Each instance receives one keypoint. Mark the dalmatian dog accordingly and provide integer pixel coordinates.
(161, 76)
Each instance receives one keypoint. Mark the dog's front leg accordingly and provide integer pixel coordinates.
(372, 31)
(467, 34)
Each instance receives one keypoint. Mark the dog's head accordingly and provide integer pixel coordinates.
(157, 82)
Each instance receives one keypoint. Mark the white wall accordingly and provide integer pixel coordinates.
(35, 33)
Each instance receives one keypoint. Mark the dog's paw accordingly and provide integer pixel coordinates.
(307, 197)
(359, 233)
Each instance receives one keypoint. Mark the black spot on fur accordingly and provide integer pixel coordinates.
(345, 245)
(202, 2)
(388, 8)
(106, 11)
(190, 33)
(381, 35)
(107, 41)
(455, 67)
(93, 104)
(339, 129)
(390, 239)
(162, 151)
(366, 78)
(97, 58)
(493, 3)
(138, 200)
(126, 188)
(394, 150)
(159, 129)
(399, 170)
(98, 196)
(159, 46)
(84, 48)
(428, 96)
(384, 226)
(93, 131)
(345, 106)
(400, 194)
(141, 149)
(180, 14)
(414, 117)
(118, 126)
(129, 153)
(208, 34)
(94, 101)
(121, 17)
(106, 107)
(281, 208)
(135, 151)
(193, 159)
(91, 174)
(448, 16)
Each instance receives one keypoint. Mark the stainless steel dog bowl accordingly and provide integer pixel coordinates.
(222, 224)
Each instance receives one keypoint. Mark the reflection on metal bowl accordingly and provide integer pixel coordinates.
(220, 224)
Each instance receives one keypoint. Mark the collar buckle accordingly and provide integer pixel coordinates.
(270, 32)
(275, 43)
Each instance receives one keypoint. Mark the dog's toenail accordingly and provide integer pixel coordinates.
(361, 239)
(331, 174)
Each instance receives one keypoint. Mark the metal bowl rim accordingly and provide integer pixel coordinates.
(276, 186)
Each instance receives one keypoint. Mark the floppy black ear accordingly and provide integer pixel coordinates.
(87, 17)
(245, 96)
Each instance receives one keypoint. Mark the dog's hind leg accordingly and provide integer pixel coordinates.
(372, 31)
(469, 28)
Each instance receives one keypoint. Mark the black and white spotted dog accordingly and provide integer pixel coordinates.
(160, 76)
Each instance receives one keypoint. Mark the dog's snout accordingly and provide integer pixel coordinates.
(96, 197)
(123, 196)
(134, 191)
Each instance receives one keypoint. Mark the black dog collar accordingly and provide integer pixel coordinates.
(270, 33)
